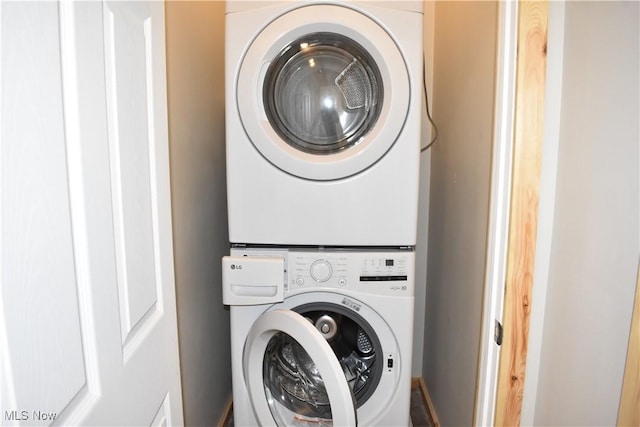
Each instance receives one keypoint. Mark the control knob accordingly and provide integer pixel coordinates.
(321, 270)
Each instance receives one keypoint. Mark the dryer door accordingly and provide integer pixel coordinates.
(323, 92)
(292, 375)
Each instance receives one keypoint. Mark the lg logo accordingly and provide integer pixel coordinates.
(236, 266)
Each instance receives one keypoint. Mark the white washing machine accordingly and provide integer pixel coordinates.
(323, 122)
(320, 337)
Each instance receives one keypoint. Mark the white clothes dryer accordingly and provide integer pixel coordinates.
(320, 337)
(323, 118)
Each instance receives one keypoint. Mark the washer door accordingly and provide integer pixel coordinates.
(312, 387)
(323, 92)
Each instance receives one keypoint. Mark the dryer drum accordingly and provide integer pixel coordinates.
(323, 93)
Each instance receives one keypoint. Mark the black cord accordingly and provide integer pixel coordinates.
(426, 101)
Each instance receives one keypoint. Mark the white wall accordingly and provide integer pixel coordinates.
(595, 242)
(463, 80)
(195, 68)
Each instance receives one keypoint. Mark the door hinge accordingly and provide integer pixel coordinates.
(497, 333)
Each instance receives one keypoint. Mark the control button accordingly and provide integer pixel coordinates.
(342, 281)
(321, 270)
(299, 281)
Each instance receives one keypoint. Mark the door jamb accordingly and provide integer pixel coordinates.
(510, 268)
(496, 258)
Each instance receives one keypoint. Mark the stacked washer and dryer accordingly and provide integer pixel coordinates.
(323, 141)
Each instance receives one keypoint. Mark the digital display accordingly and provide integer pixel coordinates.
(383, 278)
(388, 263)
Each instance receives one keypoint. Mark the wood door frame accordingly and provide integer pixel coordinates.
(518, 141)
(523, 217)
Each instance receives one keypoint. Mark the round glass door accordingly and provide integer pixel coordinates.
(293, 385)
(323, 93)
(292, 375)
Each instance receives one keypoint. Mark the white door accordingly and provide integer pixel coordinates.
(292, 374)
(88, 331)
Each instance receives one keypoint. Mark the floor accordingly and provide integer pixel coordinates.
(418, 410)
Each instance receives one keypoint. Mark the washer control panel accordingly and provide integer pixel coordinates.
(389, 272)
(382, 272)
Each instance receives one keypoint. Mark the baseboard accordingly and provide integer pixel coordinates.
(227, 414)
(419, 383)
